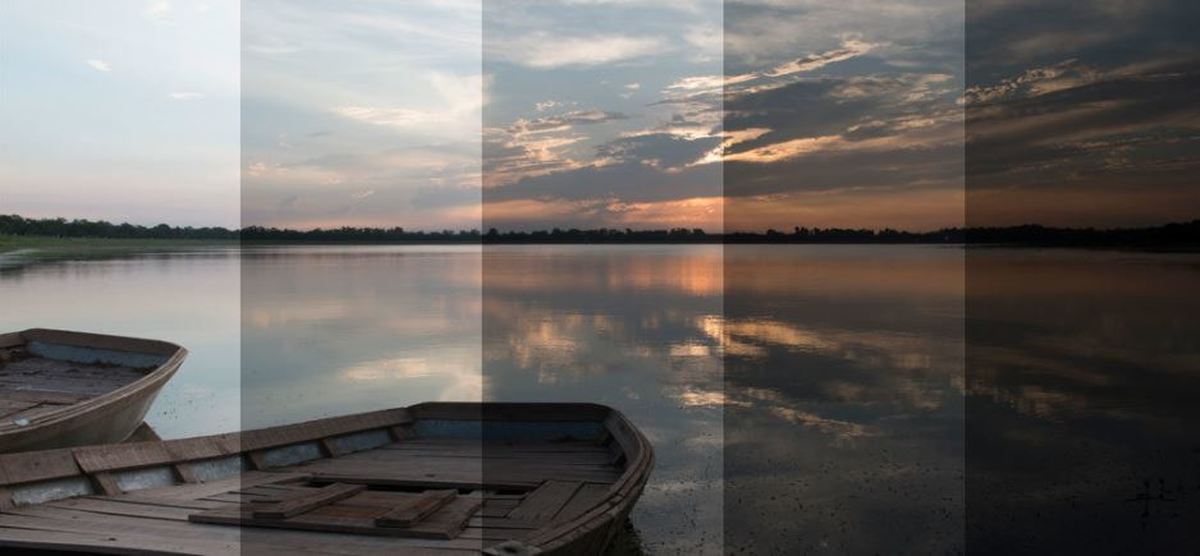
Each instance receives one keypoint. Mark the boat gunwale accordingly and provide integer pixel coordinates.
(153, 379)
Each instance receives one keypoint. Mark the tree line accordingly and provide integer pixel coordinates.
(1179, 234)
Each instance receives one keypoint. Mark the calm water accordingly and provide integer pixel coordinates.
(800, 399)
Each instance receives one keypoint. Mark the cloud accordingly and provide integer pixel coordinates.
(1068, 74)
(565, 121)
(396, 117)
(159, 12)
(547, 51)
(1069, 126)
(99, 65)
(186, 95)
(537, 146)
(851, 48)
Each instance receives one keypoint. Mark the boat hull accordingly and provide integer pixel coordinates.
(516, 479)
(104, 419)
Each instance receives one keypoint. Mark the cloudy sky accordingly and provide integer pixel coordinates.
(742, 114)
(1083, 113)
(361, 113)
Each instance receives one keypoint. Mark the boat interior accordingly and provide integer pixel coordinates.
(437, 477)
(43, 372)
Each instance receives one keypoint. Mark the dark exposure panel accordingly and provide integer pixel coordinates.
(1082, 365)
(843, 363)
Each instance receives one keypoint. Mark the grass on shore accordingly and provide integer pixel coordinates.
(22, 249)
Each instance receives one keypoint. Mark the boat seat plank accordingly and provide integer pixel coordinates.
(356, 515)
(282, 507)
(545, 502)
(417, 509)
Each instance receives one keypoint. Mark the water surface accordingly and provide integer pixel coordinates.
(801, 399)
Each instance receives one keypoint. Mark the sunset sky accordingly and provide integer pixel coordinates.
(736, 115)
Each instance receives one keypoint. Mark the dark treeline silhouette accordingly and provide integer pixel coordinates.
(1182, 234)
(12, 224)
(348, 234)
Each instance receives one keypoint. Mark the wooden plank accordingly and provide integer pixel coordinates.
(136, 498)
(282, 508)
(134, 536)
(28, 467)
(204, 490)
(12, 407)
(205, 447)
(545, 502)
(107, 483)
(322, 428)
(115, 542)
(418, 509)
(113, 457)
(11, 339)
(368, 468)
(109, 507)
(472, 411)
(355, 517)
(589, 496)
(43, 396)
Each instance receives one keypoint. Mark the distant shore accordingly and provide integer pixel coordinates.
(21, 250)
(59, 235)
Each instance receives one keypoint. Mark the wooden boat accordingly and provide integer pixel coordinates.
(435, 478)
(61, 389)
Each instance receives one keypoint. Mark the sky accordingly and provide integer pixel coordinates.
(124, 110)
(361, 113)
(1083, 113)
(524, 114)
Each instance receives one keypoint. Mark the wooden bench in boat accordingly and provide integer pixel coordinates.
(60, 389)
(435, 478)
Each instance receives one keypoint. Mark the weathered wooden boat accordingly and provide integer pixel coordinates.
(435, 478)
(61, 389)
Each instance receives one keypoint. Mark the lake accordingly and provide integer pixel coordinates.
(800, 399)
